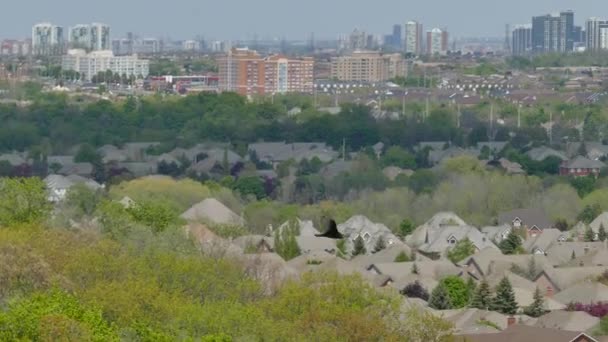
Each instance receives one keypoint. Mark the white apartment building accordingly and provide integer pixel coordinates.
(47, 39)
(90, 64)
(413, 37)
(90, 37)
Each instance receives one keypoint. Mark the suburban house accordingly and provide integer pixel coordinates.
(533, 220)
(553, 281)
(522, 333)
(539, 244)
(497, 233)
(581, 167)
(370, 232)
(58, 185)
(542, 153)
(277, 152)
(212, 211)
(601, 220)
(593, 150)
(443, 231)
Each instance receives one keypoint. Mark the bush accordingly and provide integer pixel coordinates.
(599, 309)
(415, 290)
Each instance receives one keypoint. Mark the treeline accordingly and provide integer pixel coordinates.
(58, 121)
(596, 59)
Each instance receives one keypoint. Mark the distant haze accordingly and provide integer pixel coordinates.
(240, 19)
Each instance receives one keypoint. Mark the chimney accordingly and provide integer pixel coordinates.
(549, 293)
(511, 321)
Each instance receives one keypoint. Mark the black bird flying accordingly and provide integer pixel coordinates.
(332, 231)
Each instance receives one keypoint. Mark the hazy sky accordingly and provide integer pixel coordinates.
(240, 19)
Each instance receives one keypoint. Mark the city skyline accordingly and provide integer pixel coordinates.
(188, 18)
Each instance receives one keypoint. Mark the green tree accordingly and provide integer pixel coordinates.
(504, 298)
(23, 201)
(250, 186)
(589, 235)
(397, 156)
(440, 299)
(359, 246)
(589, 213)
(482, 297)
(406, 227)
(511, 245)
(154, 214)
(380, 245)
(461, 250)
(54, 315)
(602, 235)
(537, 308)
(402, 257)
(87, 154)
(83, 199)
(584, 185)
(458, 291)
(285, 243)
(423, 181)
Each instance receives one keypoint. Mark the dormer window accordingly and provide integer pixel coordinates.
(517, 222)
(355, 237)
(366, 236)
(452, 240)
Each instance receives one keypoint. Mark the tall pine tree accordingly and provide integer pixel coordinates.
(440, 299)
(537, 308)
(359, 247)
(589, 235)
(510, 245)
(602, 235)
(482, 297)
(504, 298)
(285, 243)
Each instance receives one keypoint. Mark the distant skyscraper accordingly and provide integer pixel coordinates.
(100, 37)
(437, 41)
(413, 38)
(357, 40)
(553, 33)
(79, 36)
(522, 40)
(47, 39)
(94, 37)
(596, 33)
(397, 36)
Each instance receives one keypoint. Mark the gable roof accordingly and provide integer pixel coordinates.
(567, 320)
(602, 219)
(529, 217)
(440, 241)
(523, 333)
(214, 211)
(494, 232)
(585, 293)
(564, 277)
(561, 253)
(491, 261)
(542, 242)
(581, 162)
(543, 152)
(431, 269)
(13, 159)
